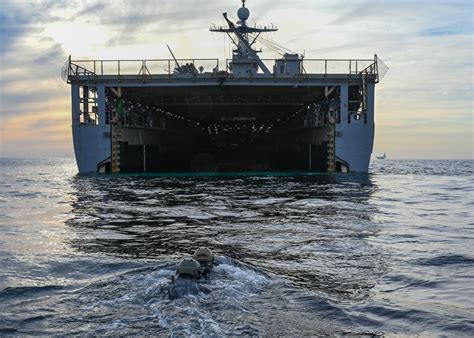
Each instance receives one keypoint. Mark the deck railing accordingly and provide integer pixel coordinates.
(170, 67)
(137, 67)
(327, 66)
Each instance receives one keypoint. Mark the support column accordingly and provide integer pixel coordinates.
(85, 102)
(370, 102)
(341, 128)
(344, 103)
(309, 157)
(75, 104)
(371, 113)
(144, 158)
(101, 104)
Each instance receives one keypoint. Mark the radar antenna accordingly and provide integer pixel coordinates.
(241, 30)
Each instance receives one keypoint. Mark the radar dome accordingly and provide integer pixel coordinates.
(243, 13)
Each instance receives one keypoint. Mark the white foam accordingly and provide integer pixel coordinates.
(268, 201)
(113, 235)
(229, 284)
(311, 202)
(115, 325)
(239, 274)
(112, 302)
(162, 319)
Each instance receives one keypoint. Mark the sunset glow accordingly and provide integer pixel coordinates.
(424, 104)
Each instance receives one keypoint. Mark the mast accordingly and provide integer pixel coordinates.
(176, 61)
(241, 31)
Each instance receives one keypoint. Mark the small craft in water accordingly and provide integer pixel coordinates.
(188, 272)
(383, 157)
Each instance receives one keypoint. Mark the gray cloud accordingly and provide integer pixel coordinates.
(13, 25)
(427, 44)
(50, 56)
(166, 18)
(100, 7)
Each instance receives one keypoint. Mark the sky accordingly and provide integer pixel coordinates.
(424, 104)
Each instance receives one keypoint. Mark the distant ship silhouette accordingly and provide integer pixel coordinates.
(383, 157)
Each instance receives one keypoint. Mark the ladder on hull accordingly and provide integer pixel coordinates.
(331, 152)
(116, 137)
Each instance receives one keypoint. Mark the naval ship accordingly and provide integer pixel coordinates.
(203, 115)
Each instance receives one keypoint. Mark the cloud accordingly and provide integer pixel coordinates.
(427, 44)
(13, 24)
(92, 10)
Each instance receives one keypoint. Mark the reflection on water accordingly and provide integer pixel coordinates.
(309, 230)
(321, 254)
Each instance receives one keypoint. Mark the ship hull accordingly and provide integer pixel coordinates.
(220, 127)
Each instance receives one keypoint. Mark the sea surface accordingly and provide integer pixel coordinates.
(391, 252)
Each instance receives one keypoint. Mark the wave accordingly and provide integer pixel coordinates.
(23, 291)
(446, 260)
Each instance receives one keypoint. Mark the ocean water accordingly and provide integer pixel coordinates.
(391, 252)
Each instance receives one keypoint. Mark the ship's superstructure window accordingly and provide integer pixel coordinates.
(88, 105)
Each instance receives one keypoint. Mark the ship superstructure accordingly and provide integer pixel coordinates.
(251, 114)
